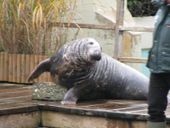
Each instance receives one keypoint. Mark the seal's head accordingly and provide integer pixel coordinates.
(83, 51)
(93, 49)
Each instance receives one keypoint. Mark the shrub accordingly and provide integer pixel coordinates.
(25, 24)
(141, 8)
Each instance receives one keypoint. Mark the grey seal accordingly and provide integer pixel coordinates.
(88, 73)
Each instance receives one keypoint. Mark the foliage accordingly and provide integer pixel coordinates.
(141, 8)
(25, 25)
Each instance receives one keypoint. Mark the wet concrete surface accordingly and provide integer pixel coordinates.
(18, 99)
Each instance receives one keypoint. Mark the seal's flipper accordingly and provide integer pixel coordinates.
(43, 66)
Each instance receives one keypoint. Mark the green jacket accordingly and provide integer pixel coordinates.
(159, 55)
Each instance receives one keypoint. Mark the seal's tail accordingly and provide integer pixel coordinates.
(43, 66)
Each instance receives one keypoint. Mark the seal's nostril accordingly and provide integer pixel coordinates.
(96, 55)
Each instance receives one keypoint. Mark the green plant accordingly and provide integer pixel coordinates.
(141, 7)
(25, 25)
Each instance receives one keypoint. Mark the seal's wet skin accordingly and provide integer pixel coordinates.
(88, 74)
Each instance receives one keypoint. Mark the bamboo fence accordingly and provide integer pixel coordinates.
(17, 67)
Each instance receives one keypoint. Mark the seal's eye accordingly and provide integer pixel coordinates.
(91, 43)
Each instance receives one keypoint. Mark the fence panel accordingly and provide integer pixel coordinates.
(17, 67)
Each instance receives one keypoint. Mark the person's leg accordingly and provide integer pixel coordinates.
(157, 100)
(167, 77)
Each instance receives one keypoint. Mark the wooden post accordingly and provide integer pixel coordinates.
(119, 23)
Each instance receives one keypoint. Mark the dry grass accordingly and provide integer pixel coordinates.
(25, 24)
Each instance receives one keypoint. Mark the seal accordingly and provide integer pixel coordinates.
(88, 73)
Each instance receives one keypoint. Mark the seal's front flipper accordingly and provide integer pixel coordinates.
(77, 92)
(43, 66)
(70, 97)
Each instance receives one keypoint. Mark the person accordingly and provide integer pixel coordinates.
(159, 65)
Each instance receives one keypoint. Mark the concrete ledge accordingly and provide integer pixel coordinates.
(113, 114)
(19, 110)
(110, 114)
(24, 120)
(61, 120)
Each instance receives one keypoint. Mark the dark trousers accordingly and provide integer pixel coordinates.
(157, 97)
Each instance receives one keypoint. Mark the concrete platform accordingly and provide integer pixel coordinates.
(18, 110)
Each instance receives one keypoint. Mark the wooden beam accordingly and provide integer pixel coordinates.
(137, 29)
(119, 23)
(79, 25)
(132, 60)
(104, 27)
